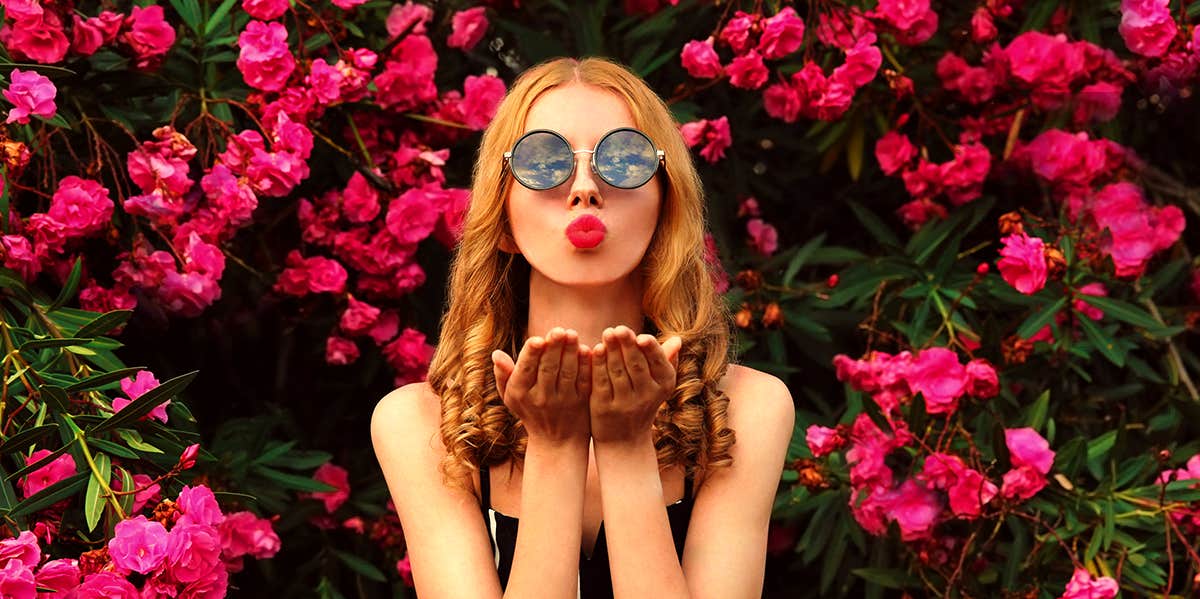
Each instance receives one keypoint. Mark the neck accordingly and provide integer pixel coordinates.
(587, 310)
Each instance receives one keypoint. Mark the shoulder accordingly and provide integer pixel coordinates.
(757, 401)
(406, 420)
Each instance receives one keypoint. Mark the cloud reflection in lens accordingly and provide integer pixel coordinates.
(626, 159)
(542, 160)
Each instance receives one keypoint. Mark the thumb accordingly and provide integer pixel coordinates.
(502, 368)
(671, 349)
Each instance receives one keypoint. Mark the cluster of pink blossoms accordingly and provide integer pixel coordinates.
(935, 373)
(1170, 62)
(31, 95)
(1189, 515)
(79, 208)
(40, 33)
(959, 179)
(1082, 173)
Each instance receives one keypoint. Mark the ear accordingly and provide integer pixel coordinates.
(508, 245)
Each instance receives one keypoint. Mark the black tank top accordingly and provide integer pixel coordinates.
(595, 581)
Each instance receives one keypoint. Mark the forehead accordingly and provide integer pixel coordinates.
(581, 113)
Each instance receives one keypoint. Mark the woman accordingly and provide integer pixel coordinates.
(610, 436)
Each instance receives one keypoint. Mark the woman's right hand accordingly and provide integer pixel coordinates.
(548, 386)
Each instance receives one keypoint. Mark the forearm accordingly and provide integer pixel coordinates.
(641, 551)
(546, 556)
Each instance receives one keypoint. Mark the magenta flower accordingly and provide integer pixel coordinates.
(1135, 230)
(198, 506)
(894, 151)
(736, 33)
(982, 381)
(82, 206)
(782, 34)
(58, 469)
(265, 60)
(700, 60)
(407, 77)
(913, 507)
(138, 545)
(481, 98)
(467, 28)
(1031, 458)
(408, 354)
(714, 134)
(340, 351)
(347, 4)
(31, 94)
(136, 386)
(413, 216)
(764, 239)
(358, 317)
(193, 553)
(1147, 26)
(823, 440)
(334, 476)
(1023, 262)
(24, 548)
(105, 585)
(409, 17)
(747, 71)
(38, 38)
(983, 28)
(17, 581)
(265, 10)
(1083, 586)
(939, 377)
(149, 35)
(88, 35)
(243, 533)
(60, 575)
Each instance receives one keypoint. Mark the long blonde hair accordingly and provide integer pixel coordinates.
(488, 289)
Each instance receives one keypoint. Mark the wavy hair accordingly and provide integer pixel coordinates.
(488, 292)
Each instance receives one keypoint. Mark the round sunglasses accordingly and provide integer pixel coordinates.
(624, 158)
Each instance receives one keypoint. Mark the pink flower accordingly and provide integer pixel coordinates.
(23, 548)
(265, 60)
(963, 177)
(700, 60)
(22, 9)
(863, 60)
(340, 351)
(138, 545)
(198, 506)
(311, 275)
(1097, 102)
(467, 28)
(148, 34)
(938, 376)
(914, 508)
(894, 151)
(1027, 448)
(193, 553)
(1083, 586)
(265, 10)
(413, 216)
(409, 17)
(334, 476)
(913, 20)
(983, 28)
(823, 440)
(17, 581)
(407, 77)
(88, 35)
(841, 28)
(58, 469)
(763, 237)
(713, 133)
(150, 491)
(347, 4)
(970, 492)
(60, 575)
(1135, 231)
(105, 585)
(782, 101)
(358, 317)
(404, 569)
(38, 38)
(1023, 262)
(1147, 26)
(81, 205)
(31, 94)
(1095, 289)
(360, 200)
(782, 34)
(747, 71)
(187, 459)
(736, 33)
(409, 355)
(135, 387)
(243, 533)
(481, 98)
(982, 381)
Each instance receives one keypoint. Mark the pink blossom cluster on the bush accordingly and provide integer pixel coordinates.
(46, 33)
(959, 179)
(80, 208)
(31, 94)
(935, 373)
(1186, 515)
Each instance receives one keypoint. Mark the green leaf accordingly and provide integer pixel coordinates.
(11, 282)
(21, 440)
(1102, 341)
(1123, 311)
(889, 578)
(1040, 318)
(127, 484)
(797, 262)
(134, 440)
(147, 402)
(278, 450)
(50, 495)
(1036, 418)
(1097, 452)
(217, 16)
(93, 498)
(189, 11)
(104, 323)
(52, 342)
(854, 149)
(114, 448)
(875, 227)
(100, 380)
(55, 397)
(69, 289)
(360, 565)
(292, 481)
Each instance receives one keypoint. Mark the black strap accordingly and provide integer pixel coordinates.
(485, 489)
(687, 489)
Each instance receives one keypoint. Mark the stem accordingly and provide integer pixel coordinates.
(1172, 350)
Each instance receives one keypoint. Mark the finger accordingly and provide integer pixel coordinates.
(617, 375)
(569, 365)
(525, 372)
(660, 368)
(502, 368)
(635, 360)
(551, 358)
(601, 384)
(672, 348)
(583, 383)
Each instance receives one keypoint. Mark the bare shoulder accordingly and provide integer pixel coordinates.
(413, 408)
(757, 401)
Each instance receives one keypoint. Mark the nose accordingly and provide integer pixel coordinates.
(585, 191)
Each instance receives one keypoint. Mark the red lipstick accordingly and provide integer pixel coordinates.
(586, 232)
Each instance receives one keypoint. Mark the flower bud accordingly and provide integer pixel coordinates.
(1015, 349)
(1010, 224)
(744, 318)
(810, 474)
(1056, 263)
(749, 280)
(772, 316)
(982, 269)
(188, 458)
(832, 281)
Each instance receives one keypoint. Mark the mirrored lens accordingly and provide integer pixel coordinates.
(542, 160)
(626, 158)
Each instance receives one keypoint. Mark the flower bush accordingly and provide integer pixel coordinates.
(957, 230)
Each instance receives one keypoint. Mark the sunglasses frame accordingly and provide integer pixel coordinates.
(659, 154)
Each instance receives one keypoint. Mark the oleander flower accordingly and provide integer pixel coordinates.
(32, 94)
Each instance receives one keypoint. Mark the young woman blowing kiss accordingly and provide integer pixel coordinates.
(609, 437)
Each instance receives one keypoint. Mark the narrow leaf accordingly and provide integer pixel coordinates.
(1041, 318)
(69, 289)
(50, 495)
(93, 498)
(147, 402)
(361, 566)
(21, 440)
(104, 323)
(100, 380)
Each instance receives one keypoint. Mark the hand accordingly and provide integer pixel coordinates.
(632, 375)
(548, 386)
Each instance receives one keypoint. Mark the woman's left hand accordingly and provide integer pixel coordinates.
(632, 375)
